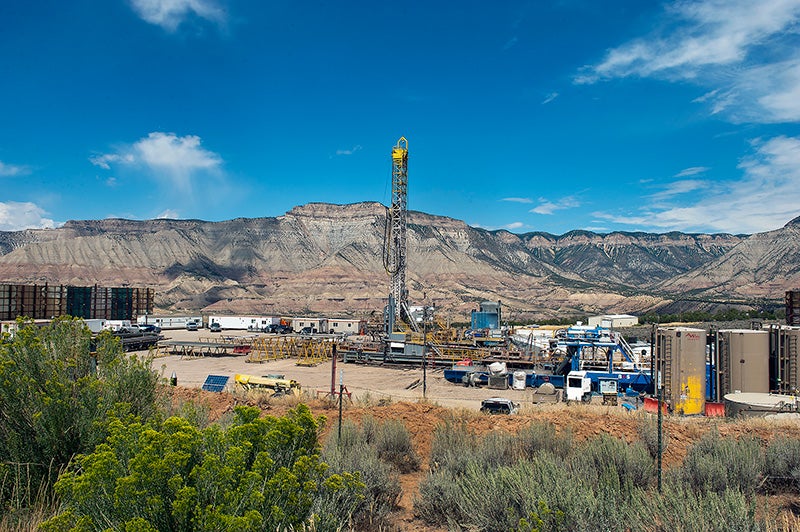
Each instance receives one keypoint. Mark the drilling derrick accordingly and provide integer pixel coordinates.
(395, 245)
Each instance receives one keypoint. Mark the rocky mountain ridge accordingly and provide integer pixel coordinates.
(323, 258)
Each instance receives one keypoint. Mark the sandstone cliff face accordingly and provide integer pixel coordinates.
(328, 259)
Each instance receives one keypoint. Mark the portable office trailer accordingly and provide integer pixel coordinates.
(169, 322)
(243, 323)
(610, 321)
(680, 363)
(743, 361)
(347, 326)
(319, 325)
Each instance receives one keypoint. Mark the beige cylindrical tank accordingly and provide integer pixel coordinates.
(746, 360)
(682, 361)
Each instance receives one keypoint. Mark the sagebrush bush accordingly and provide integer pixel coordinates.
(681, 508)
(543, 437)
(782, 463)
(647, 429)
(452, 446)
(381, 485)
(716, 464)
(597, 457)
(393, 443)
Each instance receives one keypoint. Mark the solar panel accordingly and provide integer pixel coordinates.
(215, 383)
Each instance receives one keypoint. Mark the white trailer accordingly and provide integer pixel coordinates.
(312, 325)
(95, 325)
(346, 326)
(169, 322)
(244, 323)
(116, 325)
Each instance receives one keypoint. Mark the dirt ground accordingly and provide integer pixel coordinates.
(397, 393)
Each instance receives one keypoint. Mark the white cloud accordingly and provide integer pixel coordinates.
(169, 214)
(16, 216)
(693, 170)
(351, 151)
(11, 170)
(745, 52)
(514, 225)
(549, 98)
(548, 207)
(518, 200)
(679, 187)
(169, 14)
(765, 198)
(179, 156)
(105, 160)
(166, 155)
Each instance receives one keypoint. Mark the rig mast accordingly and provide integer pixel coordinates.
(395, 244)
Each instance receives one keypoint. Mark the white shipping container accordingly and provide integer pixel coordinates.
(169, 322)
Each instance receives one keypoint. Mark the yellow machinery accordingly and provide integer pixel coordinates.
(275, 383)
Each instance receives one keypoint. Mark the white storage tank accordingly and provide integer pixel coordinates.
(518, 382)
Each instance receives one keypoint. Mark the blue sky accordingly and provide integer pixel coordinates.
(528, 116)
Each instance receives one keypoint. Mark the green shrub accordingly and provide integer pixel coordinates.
(381, 485)
(782, 467)
(55, 400)
(681, 508)
(596, 458)
(260, 473)
(393, 443)
(452, 447)
(647, 428)
(543, 437)
(716, 464)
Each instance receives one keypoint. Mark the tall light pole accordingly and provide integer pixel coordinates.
(427, 315)
(424, 352)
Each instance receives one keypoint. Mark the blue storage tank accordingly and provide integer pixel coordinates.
(488, 317)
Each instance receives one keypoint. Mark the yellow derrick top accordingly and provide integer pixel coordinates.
(400, 150)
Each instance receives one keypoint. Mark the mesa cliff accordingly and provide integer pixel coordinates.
(323, 258)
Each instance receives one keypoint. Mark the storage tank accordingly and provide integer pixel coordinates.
(518, 382)
(744, 360)
(681, 363)
(785, 359)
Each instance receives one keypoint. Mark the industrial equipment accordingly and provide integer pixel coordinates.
(278, 384)
(579, 386)
(609, 390)
(395, 247)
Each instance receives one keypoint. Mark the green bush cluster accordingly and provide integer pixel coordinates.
(56, 395)
(257, 474)
(601, 484)
(376, 452)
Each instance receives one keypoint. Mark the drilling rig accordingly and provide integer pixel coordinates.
(395, 244)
